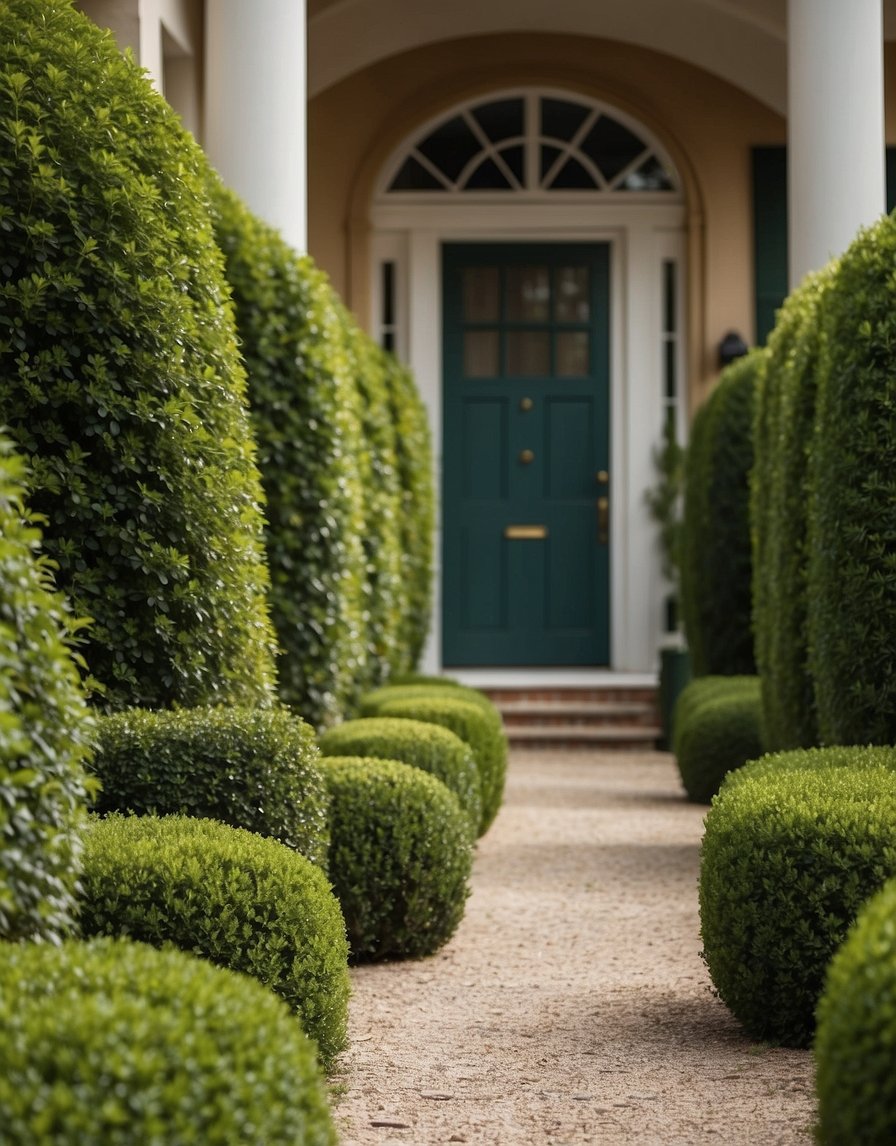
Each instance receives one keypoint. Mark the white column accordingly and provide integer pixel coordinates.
(835, 127)
(255, 107)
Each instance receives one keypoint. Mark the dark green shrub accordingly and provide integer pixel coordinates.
(45, 730)
(717, 729)
(113, 1043)
(794, 845)
(120, 377)
(414, 461)
(716, 556)
(237, 899)
(852, 522)
(436, 750)
(305, 412)
(402, 678)
(477, 726)
(400, 858)
(855, 1043)
(371, 702)
(780, 495)
(250, 768)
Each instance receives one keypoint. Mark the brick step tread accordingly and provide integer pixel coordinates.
(583, 708)
(507, 697)
(582, 732)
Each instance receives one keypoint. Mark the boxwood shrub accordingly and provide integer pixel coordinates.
(114, 1043)
(401, 856)
(780, 497)
(716, 547)
(477, 726)
(243, 902)
(422, 689)
(794, 845)
(852, 523)
(120, 376)
(306, 416)
(250, 768)
(427, 746)
(855, 1043)
(45, 731)
(717, 729)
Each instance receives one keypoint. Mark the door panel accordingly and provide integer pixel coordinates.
(526, 404)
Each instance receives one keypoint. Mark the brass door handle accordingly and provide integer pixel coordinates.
(603, 520)
(526, 456)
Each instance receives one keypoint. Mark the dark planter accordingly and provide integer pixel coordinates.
(675, 673)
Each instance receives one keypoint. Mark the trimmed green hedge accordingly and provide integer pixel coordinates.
(780, 498)
(241, 901)
(716, 546)
(45, 731)
(476, 726)
(400, 858)
(306, 416)
(855, 1043)
(794, 845)
(120, 376)
(852, 587)
(427, 746)
(423, 689)
(250, 768)
(717, 729)
(113, 1043)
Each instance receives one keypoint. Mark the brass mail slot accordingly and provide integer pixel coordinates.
(526, 532)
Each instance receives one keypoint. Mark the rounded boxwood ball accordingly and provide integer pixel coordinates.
(371, 702)
(427, 746)
(400, 856)
(794, 845)
(113, 1043)
(855, 1045)
(717, 729)
(239, 900)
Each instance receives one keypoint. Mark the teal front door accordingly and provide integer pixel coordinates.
(526, 461)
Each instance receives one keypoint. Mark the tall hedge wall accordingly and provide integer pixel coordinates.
(120, 377)
(45, 732)
(716, 546)
(852, 525)
(780, 492)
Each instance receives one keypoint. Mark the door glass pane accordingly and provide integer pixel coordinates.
(481, 294)
(572, 353)
(528, 353)
(481, 354)
(571, 301)
(528, 294)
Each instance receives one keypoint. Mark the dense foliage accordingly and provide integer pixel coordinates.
(45, 731)
(852, 524)
(113, 1043)
(250, 768)
(856, 1036)
(794, 845)
(427, 746)
(717, 729)
(241, 901)
(120, 377)
(716, 568)
(400, 857)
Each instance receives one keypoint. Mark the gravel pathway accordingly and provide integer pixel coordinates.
(572, 1005)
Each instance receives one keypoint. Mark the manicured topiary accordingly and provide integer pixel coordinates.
(114, 1043)
(716, 547)
(237, 899)
(477, 726)
(852, 523)
(400, 857)
(45, 731)
(794, 845)
(414, 461)
(717, 729)
(402, 678)
(436, 750)
(306, 417)
(250, 768)
(120, 377)
(855, 1043)
(372, 702)
(779, 510)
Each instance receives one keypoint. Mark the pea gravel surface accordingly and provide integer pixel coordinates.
(572, 1005)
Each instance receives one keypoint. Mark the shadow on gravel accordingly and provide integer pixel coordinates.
(531, 864)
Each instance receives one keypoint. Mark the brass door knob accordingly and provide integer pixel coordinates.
(526, 404)
(526, 456)
(602, 477)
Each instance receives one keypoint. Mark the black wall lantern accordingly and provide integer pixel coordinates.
(732, 346)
